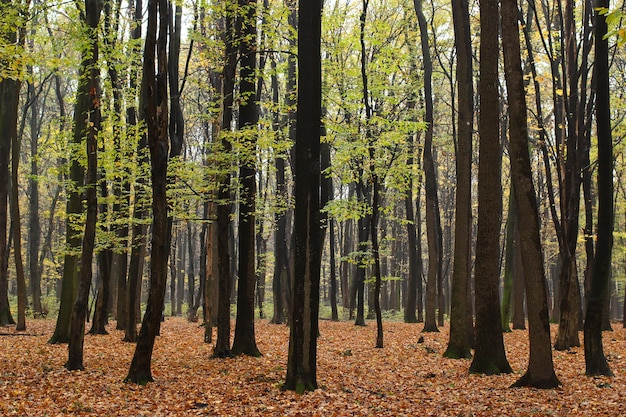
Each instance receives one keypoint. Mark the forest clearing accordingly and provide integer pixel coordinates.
(405, 378)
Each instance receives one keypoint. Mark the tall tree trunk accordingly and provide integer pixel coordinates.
(458, 345)
(302, 356)
(414, 264)
(433, 221)
(595, 361)
(540, 373)
(73, 241)
(569, 297)
(156, 109)
(12, 33)
(87, 125)
(490, 357)
(374, 179)
(244, 340)
(16, 225)
(222, 344)
(34, 230)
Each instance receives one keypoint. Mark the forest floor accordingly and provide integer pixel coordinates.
(405, 378)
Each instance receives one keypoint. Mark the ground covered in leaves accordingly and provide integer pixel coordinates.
(405, 378)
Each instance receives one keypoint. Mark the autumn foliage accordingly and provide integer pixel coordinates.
(406, 378)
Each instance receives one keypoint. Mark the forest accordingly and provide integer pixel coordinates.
(247, 173)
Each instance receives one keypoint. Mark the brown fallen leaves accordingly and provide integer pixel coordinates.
(406, 378)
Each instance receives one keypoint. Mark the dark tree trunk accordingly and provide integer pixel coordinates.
(490, 357)
(87, 124)
(222, 344)
(509, 263)
(301, 363)
(569, 296)
(433, 221)
(458, 345)
(9, 97)
(156, 109)
(375, 181)
(540, 373)
(244, 340)
(192, 310)
(34, 230)
(595, 361)
(519, 293)
(414, 263)
(22, 299)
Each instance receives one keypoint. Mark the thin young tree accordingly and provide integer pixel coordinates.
(302, 356)
(87, 125)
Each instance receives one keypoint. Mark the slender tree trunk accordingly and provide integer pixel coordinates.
(87, 123)
(222, 344)
(34, 230)
(16, 225)
(458, 345)
(413, 273)
(433, 221)
(595, 361)
(156, 110)
(509, 261)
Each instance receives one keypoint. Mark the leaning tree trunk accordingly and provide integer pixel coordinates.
(540, 373)
(155, 88)
(433, 222)
(87, 124)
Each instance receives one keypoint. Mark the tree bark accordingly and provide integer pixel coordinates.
(595, 361)
(489, 357)
(244, 340)
(156, 111)
(433, 221)
(87, 125)
(222, 344)
(540, 373)
(458, 344)
(302, 356)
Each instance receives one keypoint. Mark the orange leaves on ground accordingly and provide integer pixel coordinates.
(406, 378)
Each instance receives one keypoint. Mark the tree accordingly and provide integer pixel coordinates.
(87, 125)
(489, 357)
(302, 357)
(458, 345)
(12, 33)
(433, 221)
(540, 373)
(595, 361)
(226, 87)
(156, 111)
(244, 341)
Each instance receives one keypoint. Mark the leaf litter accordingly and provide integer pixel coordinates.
(407, 377)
